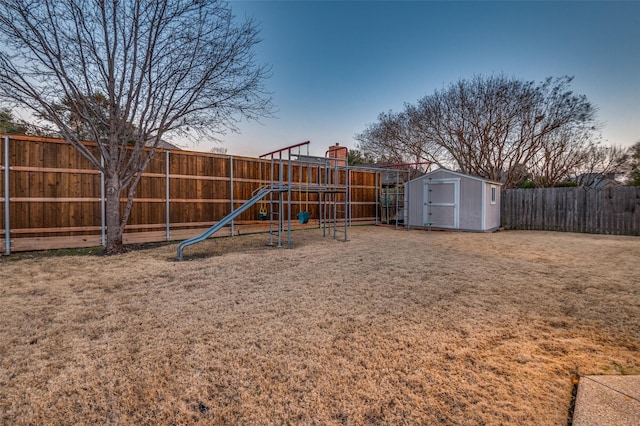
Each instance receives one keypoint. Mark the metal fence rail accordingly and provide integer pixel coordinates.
(52, 197)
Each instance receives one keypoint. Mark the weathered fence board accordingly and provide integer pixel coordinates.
(591, 210)
(55, 194)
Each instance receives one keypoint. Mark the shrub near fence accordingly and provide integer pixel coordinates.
(55, 195)
(591, 210)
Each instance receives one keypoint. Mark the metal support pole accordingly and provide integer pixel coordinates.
(280, 201)
(377, 192)
(397, 196)
(347, 201)
(333, 194)
(320, 196)
(385, 191)
(349, 191)
(166, 191)
(103, 214)
(336, 182)
(405, 198)
(290, 180)
(325, 207)
(271, 168)
(7, 215)
(233, 231)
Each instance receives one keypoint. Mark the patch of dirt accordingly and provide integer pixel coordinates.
(392, 327)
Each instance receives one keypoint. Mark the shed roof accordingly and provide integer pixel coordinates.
(442, 169)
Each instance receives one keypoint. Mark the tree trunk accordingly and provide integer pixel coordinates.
(114, 228)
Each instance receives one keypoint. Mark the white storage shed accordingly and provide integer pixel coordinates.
(451, 200)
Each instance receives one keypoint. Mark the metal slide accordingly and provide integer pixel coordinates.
(224, 221)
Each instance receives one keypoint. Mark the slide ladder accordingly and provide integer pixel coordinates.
(228, 218)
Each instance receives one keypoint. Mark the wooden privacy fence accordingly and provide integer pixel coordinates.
(52, 197)
(592, 210)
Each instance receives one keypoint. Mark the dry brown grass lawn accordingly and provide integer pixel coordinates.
(393, 327)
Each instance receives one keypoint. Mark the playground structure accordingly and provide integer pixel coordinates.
(326, 176)
(288, 171)
(391, 181)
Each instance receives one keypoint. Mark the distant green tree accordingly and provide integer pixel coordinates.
(92, 127)
(566, 184)
(527, 184)
(358, 158)
(9, 125)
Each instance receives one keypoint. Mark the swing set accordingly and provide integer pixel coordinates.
(303, 215)
(320, 176)
(263, 212)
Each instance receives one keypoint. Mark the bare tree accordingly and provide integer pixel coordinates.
(633, 164)
(379, 141)
(559, 156)
(218, 150)
(399, 138)
(494, 127)
(600, 162)
(132, 72)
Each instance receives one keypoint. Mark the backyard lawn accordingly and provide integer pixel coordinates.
(392, 327)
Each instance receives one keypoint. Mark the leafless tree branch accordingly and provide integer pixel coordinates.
(128, 73)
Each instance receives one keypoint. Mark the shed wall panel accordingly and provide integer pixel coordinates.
(492, 215)
(416, 203)
(470, 204)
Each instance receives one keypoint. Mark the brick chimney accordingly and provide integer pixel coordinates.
(339, 152)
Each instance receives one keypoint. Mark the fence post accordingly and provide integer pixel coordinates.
(166, 201)
(7, 215)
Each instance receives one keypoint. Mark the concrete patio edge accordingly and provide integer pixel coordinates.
(607, 401)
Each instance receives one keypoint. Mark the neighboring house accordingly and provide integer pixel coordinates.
(166, 145)
(452, 200)
(596, 180)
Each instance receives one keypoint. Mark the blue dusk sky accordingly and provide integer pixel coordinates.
(337, 65)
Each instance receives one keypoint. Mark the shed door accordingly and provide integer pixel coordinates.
(442, 201)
